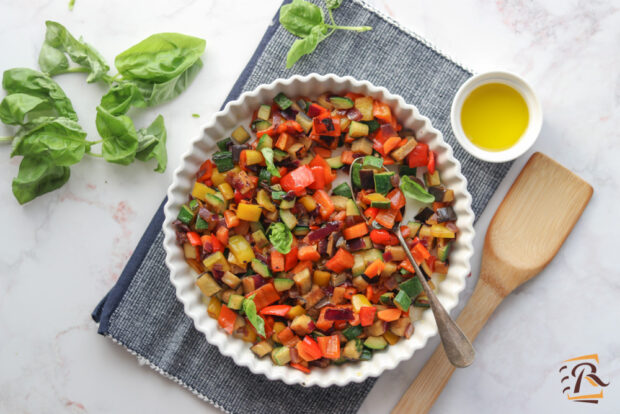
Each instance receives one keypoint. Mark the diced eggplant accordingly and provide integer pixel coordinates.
(437, 192)
(303, 281)
(208, 285)
(376, 329)
(367, 179)
(445, 214)
(362, 146)
(424, 214)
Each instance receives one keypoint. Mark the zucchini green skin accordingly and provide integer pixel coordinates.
(282, 101)
(341, 102)
(223, 161)
(383, 182)
(411, 287)
(344, 190)
(186, 215)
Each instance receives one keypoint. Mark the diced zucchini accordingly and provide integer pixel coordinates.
(281, 355)
(262, 348)
(282, 101)
(341, 102)
(208, 286)
(387, 298)
(279, 155)
(301, 230)
(372, 125)
(288, 218)
(264, 112)
(366, 355)
(375, 342)
(432, 180)
(355, 175)
(231, 280)
(260, 125)
(358, 129)
(444, 251)
(260, 268)
(359, 265)
(259, 238)
(353, 349)
(216, 204)
(412, 287)
(342, 189)
(353, 332)
(302, 324)
(235, 301)
(201, 224)
(335, 162)
(352, 209)
(264, 142)
(360, 283)
(372, 255)
(400, 153)
(362, 146)
(340, 202)
(193, 205)
(371, 161)
(422, 302)
(364, 105)
(389, 269)
(282, 284)
(383, 182)
(240, 135)
(379, 200)
(287, 204)
(224, 144)
(402, 301)
(305, 121)
(407, 170)
(186, 215)
(223, 161)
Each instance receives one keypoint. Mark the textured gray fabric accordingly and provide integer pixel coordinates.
(149, 320)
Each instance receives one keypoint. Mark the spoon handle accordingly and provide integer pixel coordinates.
(459, 350)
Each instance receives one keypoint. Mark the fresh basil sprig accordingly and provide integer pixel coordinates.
(414, 190)
(271, 167)
(306, 20)
(249, 307)
(153, 71)
(281, 237)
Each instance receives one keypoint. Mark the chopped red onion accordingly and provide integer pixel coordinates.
(344, 314)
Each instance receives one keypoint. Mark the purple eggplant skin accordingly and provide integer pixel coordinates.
(355, 245)
(437, 192)
(367, 179)
(424, 214)
(236, 152)
(445, 214)
(339, 315)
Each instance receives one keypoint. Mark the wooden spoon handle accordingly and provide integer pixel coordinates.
(425, 389)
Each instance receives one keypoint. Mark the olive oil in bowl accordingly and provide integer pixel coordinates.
(494, 116)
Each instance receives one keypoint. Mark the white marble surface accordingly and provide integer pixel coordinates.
(61, 253)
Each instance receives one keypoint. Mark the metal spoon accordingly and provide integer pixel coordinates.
(459, 350)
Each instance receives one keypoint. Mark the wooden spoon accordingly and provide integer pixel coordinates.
(528, 229)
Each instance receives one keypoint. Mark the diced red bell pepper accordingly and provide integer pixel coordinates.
(316, 110)
(319, 178)
(367, 315)
(325, 125)
(341, 261)
(322, 323)
(290, 127)
(387, 217)
(397, 199)
(330, 346)
(319, 161)
(308, 349)
(193, 238)
(383, 237)
(287, 337)
(371, 212)
(431, 162)
(290, 259)
(226, 319)
(205, 171)
(265, 295)
(419, 253)
(276, 310)
(326, 206)
(277, 261)
(222, 235)
(381, 111)
(419, 156)
(297, 180)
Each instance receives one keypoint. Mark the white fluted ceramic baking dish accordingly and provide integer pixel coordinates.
(239, 112)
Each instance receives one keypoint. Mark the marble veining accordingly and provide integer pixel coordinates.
(61, 253)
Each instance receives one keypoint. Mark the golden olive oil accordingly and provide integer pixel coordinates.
(494, 116)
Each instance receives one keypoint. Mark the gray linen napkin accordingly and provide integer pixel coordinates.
(141, 312)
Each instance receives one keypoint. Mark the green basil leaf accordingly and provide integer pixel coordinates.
(32, 82)
(62, 139)
(51, 60)
(414, 190)
(120, 140)
(303, 47)
(281, 237)
(278, 195)
(268, 154)
(249, 307)
(333, 4)
(160, 58)
(37, 175)
(300, 17)
(15, 107)
(122, 96)
(152, 144)
(157, 93)
(58, 37)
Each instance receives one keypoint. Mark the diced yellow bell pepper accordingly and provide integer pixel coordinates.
(214, 258)
(200, 191)
(226, 191)
(214, 307)
(391, 338)
(440, 230)
(253, 157)
(308, 202)
(249, 334)
(425, 231)
(249, 212)
(232, 259)
(241, 248)
(359, 301)
(278, 327)
(218, 177)
(295, 311)
(264, 200)
(321, 278)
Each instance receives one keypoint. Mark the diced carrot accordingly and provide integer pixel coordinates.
(367, 315)
(226, 319)
(355, 231)
(389, 315)
(301, 266)
(309, 253)
(326, 206)
(284, 141)
(290, 259)
(287, 337)
(323, 152)
(347, 157)
(375, 268)
(386, 217)
(390, 144)
(300, 367)
(265, 295)
(277, 261)
(341, 261)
